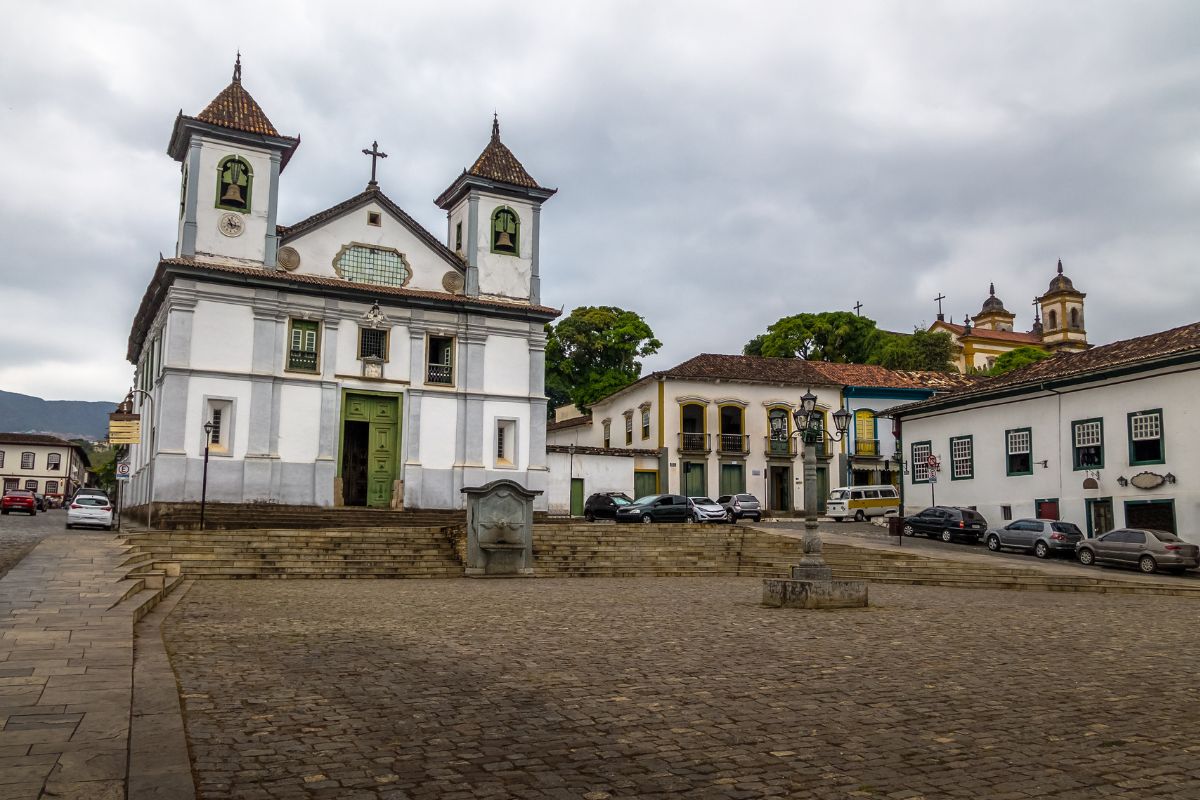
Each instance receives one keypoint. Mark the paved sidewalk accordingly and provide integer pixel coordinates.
(66, 668)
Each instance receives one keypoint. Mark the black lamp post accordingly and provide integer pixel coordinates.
(208, 429)
(808, 424)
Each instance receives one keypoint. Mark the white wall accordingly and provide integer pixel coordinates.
(222, 336)
(299, 423)
(251, 244)
(318, 248)
(493, 411)
(499, 274)
(439, 423)
(506, 365)
(599, 474)
(1050, 416)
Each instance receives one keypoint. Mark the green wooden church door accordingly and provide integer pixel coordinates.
(381, 416)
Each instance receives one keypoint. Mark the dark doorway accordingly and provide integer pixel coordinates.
(779, 484)
(1099, 516)
(1156, 514)
(355, 441)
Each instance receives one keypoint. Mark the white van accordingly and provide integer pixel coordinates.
(859, 502)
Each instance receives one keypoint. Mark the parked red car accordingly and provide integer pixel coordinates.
(18, 500)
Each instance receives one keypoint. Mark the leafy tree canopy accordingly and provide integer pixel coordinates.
(840, 336)
(593, 352)
(1015, 359)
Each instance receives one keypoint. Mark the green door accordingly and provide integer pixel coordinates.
(822, 489)
(733, 479)
(645, 483)
(381, 416)
(576, 497)
(693, 479)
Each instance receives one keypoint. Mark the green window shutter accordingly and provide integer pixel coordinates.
(303, 353)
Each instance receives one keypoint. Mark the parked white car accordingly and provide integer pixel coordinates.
(703, 509)
(90, 510)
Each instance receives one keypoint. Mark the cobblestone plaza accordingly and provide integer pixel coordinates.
(560, 688)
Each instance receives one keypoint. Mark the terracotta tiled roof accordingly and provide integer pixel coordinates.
(627, 452)
(34, 438)
(497, 163)
(1143, 350)
(162, 279)
(756, 369)
(372, 194)
(573, 422)
(235, 108)
(999, 336)
(941, 381)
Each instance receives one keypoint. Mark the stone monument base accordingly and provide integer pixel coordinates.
(784, 593)
(805, 572)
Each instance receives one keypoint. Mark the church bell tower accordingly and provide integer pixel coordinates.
(1062, 315)
(230, 156)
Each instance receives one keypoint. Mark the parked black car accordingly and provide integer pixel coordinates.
(947, 523)
(655, 508)
(1044, 537)
(604, 505)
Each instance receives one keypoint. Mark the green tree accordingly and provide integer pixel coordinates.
(593, 352)
(828, 336)
(1015, 359)
(923, 350)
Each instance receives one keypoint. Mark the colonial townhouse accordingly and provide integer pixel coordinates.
(722, 424)
(1104, 438)
(40, 463)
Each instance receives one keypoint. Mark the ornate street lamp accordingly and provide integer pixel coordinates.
(208, 429)
(808, 425)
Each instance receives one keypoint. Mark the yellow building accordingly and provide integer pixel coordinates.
(1057, 326)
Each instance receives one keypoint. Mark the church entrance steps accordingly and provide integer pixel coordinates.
(254, 516)
(563, 549)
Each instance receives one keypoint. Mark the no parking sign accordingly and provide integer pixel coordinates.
(122, 470)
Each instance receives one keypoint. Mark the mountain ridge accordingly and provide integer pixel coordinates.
(70, 419)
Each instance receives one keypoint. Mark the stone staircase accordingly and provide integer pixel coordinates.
(246, 516)
(147, 581)
(424, 552)
(568, 549)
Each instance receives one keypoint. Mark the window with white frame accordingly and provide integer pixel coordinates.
(921, 451)
(1146, 437)
(506, 443)
(1019, 451)
(1, 458)
(962, 458)
(31, 485)
(53, 461)
(628, 428)
(607, 433)
(1088, 439)
(27, 459)
(645, 426)
(51, 487)
(220, 414)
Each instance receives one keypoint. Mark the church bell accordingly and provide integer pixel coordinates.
(233, 195)
(504, 240)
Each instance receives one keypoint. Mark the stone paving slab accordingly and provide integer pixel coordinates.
(66, 658)
(657, 688)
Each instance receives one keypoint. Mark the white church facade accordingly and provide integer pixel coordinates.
(352, 358)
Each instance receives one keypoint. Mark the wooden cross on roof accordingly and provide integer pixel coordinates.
(858, 307)
(375, 153)
(939, 300)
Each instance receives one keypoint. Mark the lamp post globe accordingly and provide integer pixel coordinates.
(841, 420)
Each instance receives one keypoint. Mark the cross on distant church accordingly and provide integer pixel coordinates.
(939, 300)
(375, 153)
(858, 307)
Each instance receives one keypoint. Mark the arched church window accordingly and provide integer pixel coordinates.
(1074, 317)
(235, 179)
(379, 265)
(506, 231)
(1052, 320)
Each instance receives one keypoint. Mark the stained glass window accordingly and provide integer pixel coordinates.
(381, 266)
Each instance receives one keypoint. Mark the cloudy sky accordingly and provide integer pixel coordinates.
(719, 165)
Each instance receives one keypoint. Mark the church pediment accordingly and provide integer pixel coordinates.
(368, 239)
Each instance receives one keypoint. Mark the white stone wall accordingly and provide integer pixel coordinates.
(318, 248)
(222, 336)
(251, 244)
(503, 275)
(1049, 416)
(599, 474)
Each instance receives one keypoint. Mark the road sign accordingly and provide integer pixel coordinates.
(933, 478)
(122, 470)
(124, 428)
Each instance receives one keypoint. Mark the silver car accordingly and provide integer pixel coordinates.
(1045, 537)
(1148, 550)
(740, 505)
(703, 509)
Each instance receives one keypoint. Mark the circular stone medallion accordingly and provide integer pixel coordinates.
(288, 258)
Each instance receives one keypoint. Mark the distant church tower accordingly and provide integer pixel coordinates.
(1062, 315)
(994, 316)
